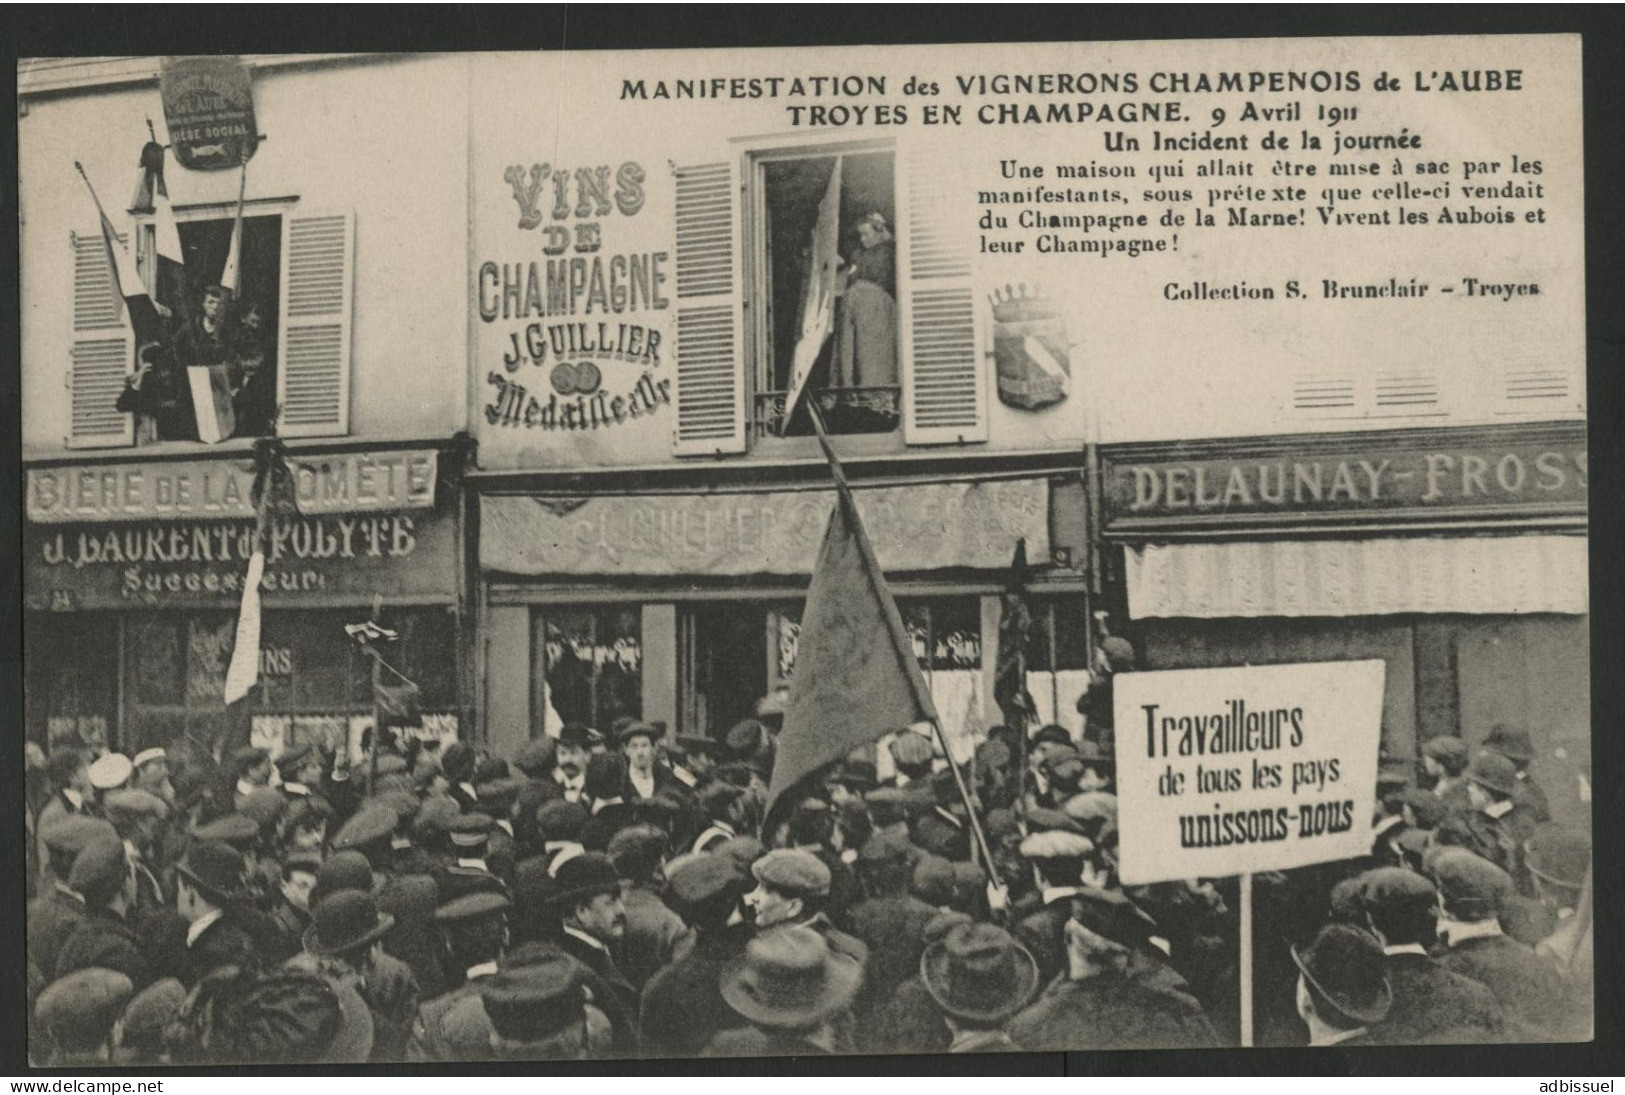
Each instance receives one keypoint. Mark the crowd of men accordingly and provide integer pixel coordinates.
(615, 894)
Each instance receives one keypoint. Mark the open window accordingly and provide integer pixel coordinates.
(848, 198)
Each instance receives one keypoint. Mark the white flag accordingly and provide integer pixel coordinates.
(818, 294)
(244, 671)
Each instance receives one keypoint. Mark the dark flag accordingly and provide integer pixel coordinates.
(1015, 622)
(165, 275)
(853, 683)
(398, 702)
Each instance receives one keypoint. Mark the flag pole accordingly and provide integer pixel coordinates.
(81, 169)
(921, 697)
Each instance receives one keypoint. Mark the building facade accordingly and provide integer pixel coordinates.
(136, 542)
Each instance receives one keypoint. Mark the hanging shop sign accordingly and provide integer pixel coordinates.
(209, 109)
(196, 563)
(1453, 475)
(352, 482)
(922, 527)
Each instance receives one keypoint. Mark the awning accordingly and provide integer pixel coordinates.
(1377, 577)
(920, 527)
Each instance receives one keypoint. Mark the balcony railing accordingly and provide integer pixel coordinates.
(845, 410)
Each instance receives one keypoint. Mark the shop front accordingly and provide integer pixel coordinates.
(683, 607)
(133, 578)
(1457, 556)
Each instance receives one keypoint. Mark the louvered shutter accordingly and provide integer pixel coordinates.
(710, 370)
(102, 351)
(944, 342)
(313, 348)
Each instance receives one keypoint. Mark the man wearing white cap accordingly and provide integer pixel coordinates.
(110, 773)
(152, 774)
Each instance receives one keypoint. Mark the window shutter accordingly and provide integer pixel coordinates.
(943, 337)
(313, 349)
(710, 371)
(102, 354)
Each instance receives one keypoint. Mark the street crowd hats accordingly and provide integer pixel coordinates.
(1112, 916)
(1427, 808)
(78, 1011)
(940, 925)
(560, 820)
(1041, 819)
(636, 850)
(99, 870)
(147, 756)
(391, 764)
(292, 1015)
(606, 775)
(886, 848)
(1092, 808)
(471, 908)
(371, 824)
(1395, 891)
(910, 750)
(978, 973)
(457, 762)
(535, 757)
(1555, 854)
(639, 730)
(1052, 734)
(248, 757)
(857, 774)
(888, 805)
(469, 830)
(238, 830)
(584, 877)
(703, 888)
(1512, 742)
(293, 758)
(489, 770)
(1449, 750)
(69, 835)
(215, 870)
(933, 880)
(1471, 887)
(578, 735)
(793, 872)
(692, 744)
(150, 1011)
(746, 737)
(790, 978)
(110, 771)
(1119, 653)
(133, 803)
(1344, 967)
(1494, 772)
(342, 871)
(1056, 844)
(346, 921)
(433, 816)
(264, 805)
(741, 850)
(535, 999)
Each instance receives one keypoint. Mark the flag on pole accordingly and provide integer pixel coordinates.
(818, 292)
(146, 323)
(1015, 621)
(244, 671)
(164, 275)
(856, 679)
(231, 277)
(210, 386)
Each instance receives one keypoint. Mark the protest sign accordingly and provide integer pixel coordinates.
(1231, 771)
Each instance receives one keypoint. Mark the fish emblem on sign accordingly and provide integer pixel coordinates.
(1030, 348)
(209, 109)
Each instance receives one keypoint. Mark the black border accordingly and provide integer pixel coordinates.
(102, 29)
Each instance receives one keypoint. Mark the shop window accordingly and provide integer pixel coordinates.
(855, 376)
(588, 665)
(1058, 658)
(280, 347)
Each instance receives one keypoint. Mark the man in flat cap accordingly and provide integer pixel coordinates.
(253, 769)
(644, 777)
(77, 1013)
(911, 758)
(139, 817)
(793, 887)
(943, 831)
(812, 829)
(653, 932)
(1059, 859)
(475, 928)
(409, 897)
(105, 938)
(345, 942)
(1431, 1005)
(723, 804)
(152, 773)
(1444, 762)
(463, 869)
(1515, 744)
(682, 1007)
(1472, 892)
(109, 772)
(1098, 1001)
(457, 764)
(291, 912)
(68, 772)
(138, 1036)
(890, 922)
(58, 912)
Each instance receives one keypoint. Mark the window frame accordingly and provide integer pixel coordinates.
(754, 155)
